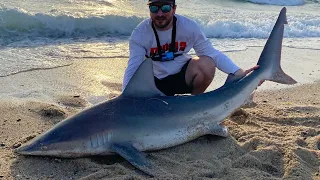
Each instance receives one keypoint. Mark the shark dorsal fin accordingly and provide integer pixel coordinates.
(142, 82)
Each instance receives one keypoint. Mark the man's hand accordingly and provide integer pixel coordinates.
(243, 73)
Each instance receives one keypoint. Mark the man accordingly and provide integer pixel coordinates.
(166, 38)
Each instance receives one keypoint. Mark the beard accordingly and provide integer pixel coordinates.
(161, 22)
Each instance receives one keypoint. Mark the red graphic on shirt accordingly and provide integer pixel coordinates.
(180, 46)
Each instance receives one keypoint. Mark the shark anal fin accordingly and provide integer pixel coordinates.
(219, 130)
(134, 156)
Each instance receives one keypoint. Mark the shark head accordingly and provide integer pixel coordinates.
(55, 144)
(69, 138)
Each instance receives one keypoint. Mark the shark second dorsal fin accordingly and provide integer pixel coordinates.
(232, 79)
(142, 82)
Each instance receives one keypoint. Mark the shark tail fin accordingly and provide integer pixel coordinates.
(281, 77)
(272, 52)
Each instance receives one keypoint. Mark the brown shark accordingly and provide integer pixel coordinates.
(143, 119)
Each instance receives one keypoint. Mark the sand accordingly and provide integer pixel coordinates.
(276, 137)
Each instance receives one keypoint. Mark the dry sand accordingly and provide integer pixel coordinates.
(278, 137)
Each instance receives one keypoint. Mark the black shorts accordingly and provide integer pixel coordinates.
(174, 84)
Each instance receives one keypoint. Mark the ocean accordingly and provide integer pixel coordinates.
(52, 33)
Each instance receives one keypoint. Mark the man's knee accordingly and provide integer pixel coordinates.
(200, 70)
(204, 65)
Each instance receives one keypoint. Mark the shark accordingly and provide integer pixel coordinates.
(143, 119)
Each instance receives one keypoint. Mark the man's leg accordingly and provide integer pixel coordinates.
(200, 73)
(174, 84)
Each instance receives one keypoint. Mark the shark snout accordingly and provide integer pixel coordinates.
(30, 149)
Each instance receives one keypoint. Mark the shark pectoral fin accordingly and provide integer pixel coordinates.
(219, 130)
(134, 156)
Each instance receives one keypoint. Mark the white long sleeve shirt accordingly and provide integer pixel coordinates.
(188, 35)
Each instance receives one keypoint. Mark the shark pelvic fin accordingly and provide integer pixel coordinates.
(142, 82)
(134, 156)
(219, 130)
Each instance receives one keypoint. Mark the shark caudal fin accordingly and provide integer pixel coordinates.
(271, 55)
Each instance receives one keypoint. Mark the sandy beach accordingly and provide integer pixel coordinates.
(276, 137)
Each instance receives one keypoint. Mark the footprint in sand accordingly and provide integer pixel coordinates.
(74, 101)
(51, 111)
(46, 110)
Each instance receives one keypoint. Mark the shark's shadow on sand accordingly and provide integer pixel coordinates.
(206, 157)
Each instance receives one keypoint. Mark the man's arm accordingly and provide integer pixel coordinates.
(203, 47)
(137, 55)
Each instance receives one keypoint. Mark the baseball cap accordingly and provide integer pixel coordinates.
(166, 1)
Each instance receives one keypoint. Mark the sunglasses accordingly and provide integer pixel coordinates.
(164, 8)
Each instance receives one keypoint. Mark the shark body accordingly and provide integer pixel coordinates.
(143, 119)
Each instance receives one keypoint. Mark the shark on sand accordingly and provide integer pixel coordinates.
(142, 118)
